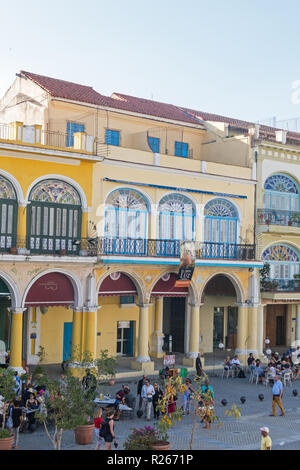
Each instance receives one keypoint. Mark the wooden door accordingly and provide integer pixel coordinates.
(276, 325)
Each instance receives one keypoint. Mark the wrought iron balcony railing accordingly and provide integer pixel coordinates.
(278, 217)
(280, 285)
(171, 248)
(113, 246)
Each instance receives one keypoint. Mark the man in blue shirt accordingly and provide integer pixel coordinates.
(277, 395)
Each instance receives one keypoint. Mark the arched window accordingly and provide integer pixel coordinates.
(126, 222)
(283, 260)
(221, 218)
(54, 218)
(8, 214)
(176, 218)
(281, 193)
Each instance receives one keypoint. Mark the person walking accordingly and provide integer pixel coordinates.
(198, 365)
(155, 399)
(277, 396)
(141, 383)
(17, 418)
(107, 430)
(266, 441)
(188, 390)
(147, 394)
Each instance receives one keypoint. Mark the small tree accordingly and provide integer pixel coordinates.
(7, 390)
(65, 407)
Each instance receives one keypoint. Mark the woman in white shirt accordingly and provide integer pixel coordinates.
(147, 394)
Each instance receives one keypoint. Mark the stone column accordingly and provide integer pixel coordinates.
(16, 338)
(260, 330)
(242, 334)
(143, 361)
(90, 332)
(76, 346)
(252, 329)
(297, 333)
(194, 336)
(158, 336)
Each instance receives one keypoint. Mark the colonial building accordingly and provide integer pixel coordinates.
(104, 192)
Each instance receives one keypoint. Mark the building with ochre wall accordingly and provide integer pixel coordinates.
(99, 272)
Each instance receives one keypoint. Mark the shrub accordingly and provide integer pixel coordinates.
(141, 439)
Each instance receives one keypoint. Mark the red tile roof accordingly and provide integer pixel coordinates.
(86, 94)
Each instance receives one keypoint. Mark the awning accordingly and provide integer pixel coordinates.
(50, 290)
(165, 287)
(117, 284)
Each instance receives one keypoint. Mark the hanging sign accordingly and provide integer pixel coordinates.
(187, 264)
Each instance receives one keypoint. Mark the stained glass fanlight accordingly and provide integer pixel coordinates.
(55, 191)
(220, 208)
(281, 183)
(7, 190)
(176, 203)
(126, 199)
(280, 253)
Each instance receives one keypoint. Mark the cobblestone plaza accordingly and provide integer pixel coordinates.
(241, 434)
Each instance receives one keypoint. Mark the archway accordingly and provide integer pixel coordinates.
(119, 313)
(171, 309)
(48, 318)
(219, 313)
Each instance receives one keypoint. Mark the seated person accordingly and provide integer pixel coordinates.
(250, 359)
(271, 370)
(227, 363)
(258, 369)
(252, 365)
(165, 372)
(236, 363)
(129, 398)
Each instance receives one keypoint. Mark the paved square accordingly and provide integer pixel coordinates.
(242, 434)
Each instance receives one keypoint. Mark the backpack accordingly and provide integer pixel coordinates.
(105, 429)
(241, 374)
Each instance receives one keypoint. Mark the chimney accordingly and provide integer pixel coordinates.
(281, 136)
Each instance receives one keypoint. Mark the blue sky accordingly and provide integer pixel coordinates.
(236, 57)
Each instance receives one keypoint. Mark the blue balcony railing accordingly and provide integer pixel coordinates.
(278, 217)
(171, 248)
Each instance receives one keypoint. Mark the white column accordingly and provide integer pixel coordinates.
(260, 329)
(297, 336)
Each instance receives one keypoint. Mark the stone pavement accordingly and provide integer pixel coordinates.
(242, 434)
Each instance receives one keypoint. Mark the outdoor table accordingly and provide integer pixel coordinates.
(104, 402)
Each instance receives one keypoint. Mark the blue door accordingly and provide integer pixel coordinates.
(67, 341)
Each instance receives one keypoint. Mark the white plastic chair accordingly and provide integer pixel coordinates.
(287, 379)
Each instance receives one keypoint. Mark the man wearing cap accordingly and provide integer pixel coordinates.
(277, 395)
(266, 441)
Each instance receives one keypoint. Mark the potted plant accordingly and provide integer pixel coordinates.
(66, 406)
(13, 250)
(142, 438)
(7, 392)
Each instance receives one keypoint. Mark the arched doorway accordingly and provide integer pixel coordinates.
(8, 215)
(173, 311)
(219, 313)
(54, 218)
(48, 320)
(118, 315)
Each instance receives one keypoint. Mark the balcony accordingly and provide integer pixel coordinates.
(280, 285)
(19, 133)
(33, 245)
(171, 249)
(278, 217)
(59, 246)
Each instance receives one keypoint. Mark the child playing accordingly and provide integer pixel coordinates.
(97, 425)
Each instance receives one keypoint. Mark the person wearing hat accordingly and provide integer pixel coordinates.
(266, 441)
